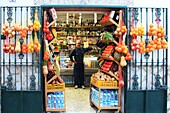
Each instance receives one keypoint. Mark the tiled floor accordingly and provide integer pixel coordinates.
(77, 101)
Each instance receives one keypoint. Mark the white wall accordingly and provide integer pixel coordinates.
(17, 3)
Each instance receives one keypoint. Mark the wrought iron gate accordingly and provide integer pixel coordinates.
(146, 76)
(20, 74)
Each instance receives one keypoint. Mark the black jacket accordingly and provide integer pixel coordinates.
(78, 54)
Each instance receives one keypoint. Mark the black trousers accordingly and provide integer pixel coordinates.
(79, 74)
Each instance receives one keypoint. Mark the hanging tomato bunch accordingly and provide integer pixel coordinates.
(141, 31)
(46, 55)
(23, 32)
(37, 45)
(6, 47)
(159, 42)
(160, 32)
(24, 48)
(120, 31)
(47, 32)
(154, 44)
(11, 32)
(135, 44)
(128, 56)
(152, 30)
(31, 46)
(134, 32)
(5, 30)
(12, 48)
(141, 47)
(30, 27)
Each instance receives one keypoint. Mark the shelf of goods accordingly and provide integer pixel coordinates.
(55, 98)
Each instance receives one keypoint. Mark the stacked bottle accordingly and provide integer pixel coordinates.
(94, 95)
(56, 100)
(108, 98)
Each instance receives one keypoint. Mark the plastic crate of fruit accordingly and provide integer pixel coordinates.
(60, 86)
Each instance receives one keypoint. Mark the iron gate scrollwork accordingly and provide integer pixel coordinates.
(20, 72)
(146, 90)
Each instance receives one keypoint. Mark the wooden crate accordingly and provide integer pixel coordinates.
(53, 88)
(100, 83)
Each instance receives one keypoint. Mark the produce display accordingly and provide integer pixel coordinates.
(24, 48)
(120, 31)
(156, 39)
(31, 46)
(5, 30)
(11, 32)
(36, 23)
(24, 32)
(108, 81)
(113, 58)
(12, 48)
(108, 50)
(6, 47)
(37, 45)
(20, 32)
(102, 76)
(47, 32)
(54, 84)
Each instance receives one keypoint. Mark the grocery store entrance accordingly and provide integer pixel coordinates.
(90, 25)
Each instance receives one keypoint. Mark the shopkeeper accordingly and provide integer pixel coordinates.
(77, 57)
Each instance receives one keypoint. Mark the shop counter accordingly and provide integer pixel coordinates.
(68, 76)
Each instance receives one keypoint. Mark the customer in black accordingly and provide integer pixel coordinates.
(78, 54)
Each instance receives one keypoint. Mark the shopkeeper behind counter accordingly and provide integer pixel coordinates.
(77, 57)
